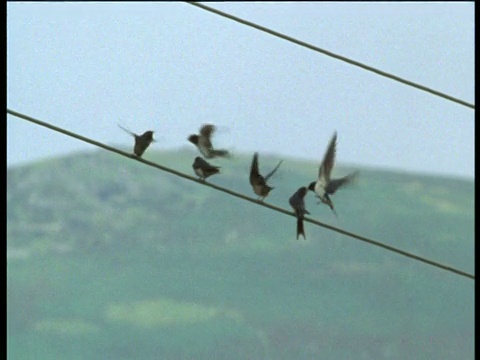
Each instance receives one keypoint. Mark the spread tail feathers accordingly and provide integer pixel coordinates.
(273, 171)
(300, 230)
(126, 130)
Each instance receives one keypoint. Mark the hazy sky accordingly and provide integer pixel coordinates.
(171, 67)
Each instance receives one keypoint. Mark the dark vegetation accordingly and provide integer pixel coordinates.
(110, 259)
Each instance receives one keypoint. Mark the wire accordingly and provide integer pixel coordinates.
(241, 196)
(331, 54)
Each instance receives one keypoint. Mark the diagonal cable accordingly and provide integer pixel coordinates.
(331, 54)
(241, 196)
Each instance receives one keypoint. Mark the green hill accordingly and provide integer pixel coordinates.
(110, 259)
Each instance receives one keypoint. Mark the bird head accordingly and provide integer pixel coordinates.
(312, 186)
(193, 139)
(148, 135)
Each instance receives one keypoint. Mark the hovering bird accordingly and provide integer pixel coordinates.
(324, 186)
(142, 142)
(203, 169)
(258, 182)
(204, 144)
(297, 202)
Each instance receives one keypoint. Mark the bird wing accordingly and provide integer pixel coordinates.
(207, 130)
(205, 165)
(220, 153)
(328, 160)
(254, 169)
(273, 171)
(334, 184)
(201, 162)
(196, 163)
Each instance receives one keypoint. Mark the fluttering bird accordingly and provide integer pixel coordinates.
(204, 144)
(203, 169)
(324, 186)
(258, 182)
(297, 202)
(142, 142)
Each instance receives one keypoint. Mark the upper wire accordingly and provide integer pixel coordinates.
(331, 54)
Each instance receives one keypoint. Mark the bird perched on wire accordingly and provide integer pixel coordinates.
(204, 144)
(203, 169)
(297, 202)
(258, 182)
(142, 142)
(324, 186)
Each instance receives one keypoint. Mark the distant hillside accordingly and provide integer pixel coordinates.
(109, 258)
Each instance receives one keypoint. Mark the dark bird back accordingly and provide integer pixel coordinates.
(203, 169)
(297, 202)
(142, 142)
(258, 182)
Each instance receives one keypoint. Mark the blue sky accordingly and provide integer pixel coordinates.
(171, 67)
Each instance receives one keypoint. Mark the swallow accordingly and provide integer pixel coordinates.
(258, 182)
(297, 202)
(203, 169)
(324, 186)
(142, 142)
(204, 144)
